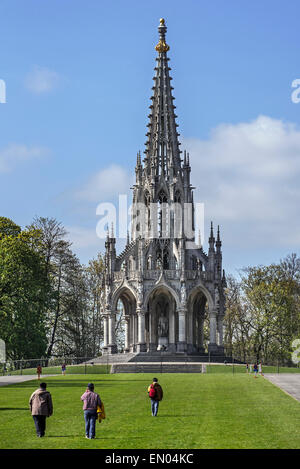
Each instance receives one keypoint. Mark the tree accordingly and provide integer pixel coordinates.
(23, 292)
(263, 316)
(94, 284)
(8, 227)
(73, 312)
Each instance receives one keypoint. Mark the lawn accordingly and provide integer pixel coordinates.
(213, 410)
(71, 369)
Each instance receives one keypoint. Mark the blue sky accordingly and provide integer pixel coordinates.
(78, 80)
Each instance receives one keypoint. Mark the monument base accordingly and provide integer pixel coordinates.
(112, 349)
(162, 343)
(141, 348)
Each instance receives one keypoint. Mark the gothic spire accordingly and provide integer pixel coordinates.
(162, 145)
(211, 239)
(218, 242)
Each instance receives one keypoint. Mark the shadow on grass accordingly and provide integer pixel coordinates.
(178, 416)
(14, 408)
(99, 438)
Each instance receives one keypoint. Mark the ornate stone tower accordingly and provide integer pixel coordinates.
(168, 285)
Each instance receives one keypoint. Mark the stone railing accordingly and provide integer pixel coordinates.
(173, 274)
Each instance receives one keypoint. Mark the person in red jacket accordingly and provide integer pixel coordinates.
(155, 393)
(39, 371)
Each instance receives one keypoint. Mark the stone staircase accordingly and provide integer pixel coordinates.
(159, 362)
(114, 358)
(155, 368)
(163, 357)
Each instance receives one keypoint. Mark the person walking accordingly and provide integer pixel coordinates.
(63, 369)
(260, 369)
(39, 371)
(155, 393)
(255, 369)
(41, 407)
(91, 401)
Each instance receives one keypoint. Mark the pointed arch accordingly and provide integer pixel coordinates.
(162, 286)
(127, 296)
(201, 289)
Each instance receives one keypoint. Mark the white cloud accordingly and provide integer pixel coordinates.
(42, 80)
(248, 177)
(105, 184)
(82, 237)
(15, 154)
(85, 243)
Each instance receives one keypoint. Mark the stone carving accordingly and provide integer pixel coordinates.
(163, 326)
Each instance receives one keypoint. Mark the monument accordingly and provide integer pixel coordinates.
(166, 282)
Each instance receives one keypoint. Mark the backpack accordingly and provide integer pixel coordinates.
(159, 392)
(152, 392)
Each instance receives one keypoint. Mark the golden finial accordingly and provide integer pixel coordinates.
(162, 46)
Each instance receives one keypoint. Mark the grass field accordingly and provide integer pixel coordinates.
(213, 410)
(74, 369)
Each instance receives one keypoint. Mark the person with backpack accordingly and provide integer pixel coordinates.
(155, 393)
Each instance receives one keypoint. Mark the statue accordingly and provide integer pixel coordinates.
(163, 323)
(163, 326)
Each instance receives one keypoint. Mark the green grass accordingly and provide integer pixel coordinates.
(198, 411)
(71, 369)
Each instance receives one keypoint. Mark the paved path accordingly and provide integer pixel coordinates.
(288, 382)
(6, 380)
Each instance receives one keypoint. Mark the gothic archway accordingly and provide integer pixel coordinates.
(161, 321)
(124, 306)
(198, 320)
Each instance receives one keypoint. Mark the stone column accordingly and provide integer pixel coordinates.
(212, 346)
(220, 334)
(181, 346)
(141, 346)
(152, 323)
(105, 332)
(220, 331)
(132, 335)
(112, 347)
(127, 333)
(172, 346)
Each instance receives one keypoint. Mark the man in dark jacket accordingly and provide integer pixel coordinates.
(156, 394)
(41, 406)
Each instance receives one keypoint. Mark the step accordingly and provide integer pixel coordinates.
(156, 368)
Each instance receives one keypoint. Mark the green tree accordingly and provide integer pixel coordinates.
(23, 293)
(263, 312)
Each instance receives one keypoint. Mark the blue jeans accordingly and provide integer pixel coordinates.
(90, 417)
(154, 407)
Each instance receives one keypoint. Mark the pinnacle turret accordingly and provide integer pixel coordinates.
(162, 145)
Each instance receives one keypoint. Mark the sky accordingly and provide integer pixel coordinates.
(78, 78)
